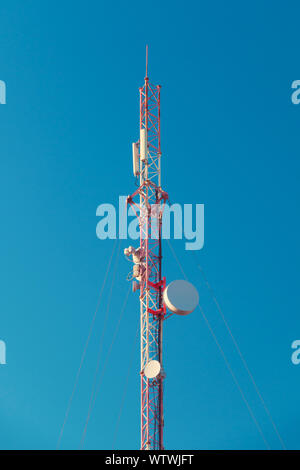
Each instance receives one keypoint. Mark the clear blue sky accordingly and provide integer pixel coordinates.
(230, 140)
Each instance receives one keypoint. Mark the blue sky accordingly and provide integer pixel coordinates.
(230, 140)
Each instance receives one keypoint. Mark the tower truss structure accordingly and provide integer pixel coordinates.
(148, 202)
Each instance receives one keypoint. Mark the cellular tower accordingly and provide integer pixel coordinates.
(148, 203)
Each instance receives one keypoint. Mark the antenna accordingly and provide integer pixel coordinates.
(147, 263)
(147, 266)
(181, 297)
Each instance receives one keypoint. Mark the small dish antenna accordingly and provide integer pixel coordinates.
(181, 297)
(152, 369)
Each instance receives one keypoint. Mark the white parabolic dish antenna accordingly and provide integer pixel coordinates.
(181, 297)
(152, 369)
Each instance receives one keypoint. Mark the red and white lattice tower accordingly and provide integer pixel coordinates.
(148, 202)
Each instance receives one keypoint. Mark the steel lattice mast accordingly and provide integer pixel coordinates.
(148, 202)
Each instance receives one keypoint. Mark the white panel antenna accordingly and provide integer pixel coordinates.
(135, 159)
(143, 144)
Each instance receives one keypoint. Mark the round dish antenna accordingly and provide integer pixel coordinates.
(181, 297)
(152, 369)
